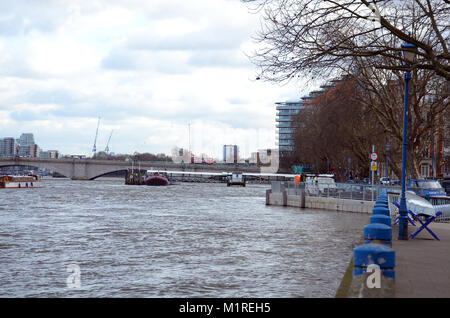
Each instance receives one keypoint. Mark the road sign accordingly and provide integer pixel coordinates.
(373, 156)
(373, 166)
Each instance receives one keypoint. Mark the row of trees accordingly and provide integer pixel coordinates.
(345, 121)
(335, 128)
(136, 157)
(360, 41)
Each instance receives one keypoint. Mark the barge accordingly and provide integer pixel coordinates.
(20, 182)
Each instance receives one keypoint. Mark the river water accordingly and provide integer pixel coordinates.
(105, 239)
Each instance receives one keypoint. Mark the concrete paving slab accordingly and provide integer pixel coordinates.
(423, 263)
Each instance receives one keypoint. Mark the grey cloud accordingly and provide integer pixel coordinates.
(24, 116)
(237, 101)
(15, 65)
(166, 62)
(120, 60)
(228, 58)
(225, 37)
(69, 104)
(21, 17)
(56, 96)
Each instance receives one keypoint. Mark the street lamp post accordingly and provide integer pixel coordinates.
(409, 52)
(349, 168)
(388, 147)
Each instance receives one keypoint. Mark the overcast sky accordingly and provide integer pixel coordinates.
(148, 68)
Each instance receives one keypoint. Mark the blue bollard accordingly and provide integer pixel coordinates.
(382, 199)
(381, 210)
(380, 218)
(381, 204)
(378, 233)
(373, 253)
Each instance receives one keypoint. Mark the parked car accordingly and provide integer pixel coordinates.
(384, 181)
(426, 187)
(320, 184)
(446, 185)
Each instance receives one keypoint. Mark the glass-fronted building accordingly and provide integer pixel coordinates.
(285, 129)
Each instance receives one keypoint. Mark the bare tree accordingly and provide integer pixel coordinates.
(326, 137)
(367, 109)
(319, 38)
(383, 95)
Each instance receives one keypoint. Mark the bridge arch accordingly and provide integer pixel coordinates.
(35, 165)
(106, 173)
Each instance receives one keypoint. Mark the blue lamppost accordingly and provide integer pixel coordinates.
(349, 168)
(409, 54)
(388, 147)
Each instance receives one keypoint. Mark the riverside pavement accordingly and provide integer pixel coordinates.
(423, 264)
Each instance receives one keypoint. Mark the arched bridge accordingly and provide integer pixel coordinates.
(89, 169)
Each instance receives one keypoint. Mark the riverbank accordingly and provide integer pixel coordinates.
(301, 200)
(422, 265)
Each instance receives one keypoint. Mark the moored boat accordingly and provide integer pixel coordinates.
(22, 182)
(156, 179)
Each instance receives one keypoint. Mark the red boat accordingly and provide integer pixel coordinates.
(156, 179)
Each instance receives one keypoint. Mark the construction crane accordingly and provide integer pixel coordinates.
(107, 144)
(94, 149)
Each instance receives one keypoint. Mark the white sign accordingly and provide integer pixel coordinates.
(374, 279)
(373, 156)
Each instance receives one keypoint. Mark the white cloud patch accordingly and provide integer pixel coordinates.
(147, 68)
(60, 56)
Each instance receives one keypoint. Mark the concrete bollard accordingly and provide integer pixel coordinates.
(268, 192)
(302, 198)
(284, 196)
(378, 233)
(379, 254)
(380, 218)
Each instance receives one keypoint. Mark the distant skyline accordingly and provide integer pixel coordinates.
(147, 68)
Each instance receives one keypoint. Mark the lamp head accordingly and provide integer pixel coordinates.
(409, 52)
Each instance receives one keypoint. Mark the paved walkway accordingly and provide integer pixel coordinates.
(423, 263)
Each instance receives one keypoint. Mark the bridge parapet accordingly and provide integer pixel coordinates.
(90, 169)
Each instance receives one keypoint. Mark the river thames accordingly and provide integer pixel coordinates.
(105, 239)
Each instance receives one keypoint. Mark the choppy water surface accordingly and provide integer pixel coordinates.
(185, 240)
